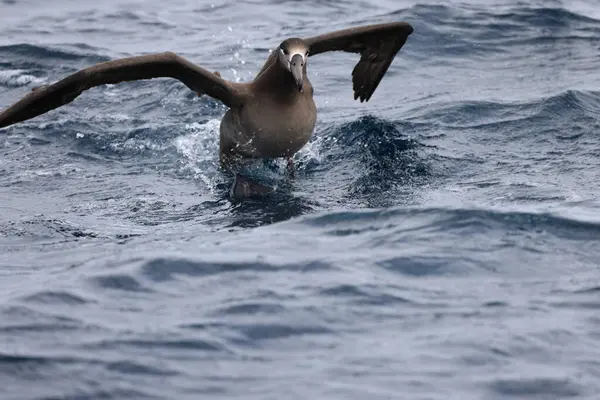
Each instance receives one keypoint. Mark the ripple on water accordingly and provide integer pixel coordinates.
(165, 269)
(56, 297)
(360, 295)
(258, 332)
(120, 282)
(19, 365)
(421, 266)
(176, 345)
(24, 320)
(250, 308)
(523, 387)
(135, 368)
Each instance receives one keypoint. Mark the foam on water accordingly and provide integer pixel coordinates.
(17, 78)
(199, 149)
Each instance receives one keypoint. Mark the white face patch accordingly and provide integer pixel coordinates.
(286, 59)
(293, 52)
(298, 50)
(299, 53)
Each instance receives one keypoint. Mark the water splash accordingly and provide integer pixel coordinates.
(18, 78)
(199, 150)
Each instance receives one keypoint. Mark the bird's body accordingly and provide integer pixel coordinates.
(275, 121)
(272, 116)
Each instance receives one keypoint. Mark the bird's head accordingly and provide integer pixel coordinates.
(292, 56)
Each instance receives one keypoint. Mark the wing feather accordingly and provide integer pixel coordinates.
(161, 65)
(377, 45)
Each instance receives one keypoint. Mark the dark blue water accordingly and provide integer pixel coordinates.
(438, 242)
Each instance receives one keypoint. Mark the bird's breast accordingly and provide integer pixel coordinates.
(278, 129)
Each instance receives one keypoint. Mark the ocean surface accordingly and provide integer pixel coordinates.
(441, 241)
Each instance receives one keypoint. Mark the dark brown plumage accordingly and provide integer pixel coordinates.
(377, 46)
(272, 116)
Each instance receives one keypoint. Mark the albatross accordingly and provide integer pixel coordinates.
(273, 116)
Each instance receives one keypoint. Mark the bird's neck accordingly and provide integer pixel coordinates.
(277, 80)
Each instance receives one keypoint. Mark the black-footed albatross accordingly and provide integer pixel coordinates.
(273, 116)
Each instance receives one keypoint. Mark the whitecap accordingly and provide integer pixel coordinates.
(17, 77)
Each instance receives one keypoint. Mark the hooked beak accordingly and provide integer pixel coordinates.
(296, 66)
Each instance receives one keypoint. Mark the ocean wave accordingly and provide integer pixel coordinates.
(476, 32)
(40, 227)
(524, 387)
(17, 78)
(22, 368)
(254, 333)
(165, 269)
(497, 18)
(165, 344)
(372, 157)
(469, 221)
(22, 52)
(56, 297)
(365, 295)
(120, 282)
(571, 104)
(552, 17)
(29, 319)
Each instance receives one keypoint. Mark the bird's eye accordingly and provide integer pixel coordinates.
(285, 51)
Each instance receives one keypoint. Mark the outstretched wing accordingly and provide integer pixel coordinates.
(162, 65)
(377, 45)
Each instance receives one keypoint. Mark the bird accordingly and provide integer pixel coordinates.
(272, 116)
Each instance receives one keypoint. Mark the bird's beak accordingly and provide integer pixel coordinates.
(296, 66)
